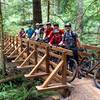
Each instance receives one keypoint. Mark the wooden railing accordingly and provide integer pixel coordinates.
(37, 55)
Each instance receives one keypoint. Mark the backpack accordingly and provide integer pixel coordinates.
(70, 40)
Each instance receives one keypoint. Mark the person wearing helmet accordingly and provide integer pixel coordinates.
(36, 34)
(48, 30)
(55, 35)
(71, 40)
(29, 32)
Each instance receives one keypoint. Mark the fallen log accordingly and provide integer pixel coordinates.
(10, 78)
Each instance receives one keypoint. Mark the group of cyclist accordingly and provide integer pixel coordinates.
(53, 35)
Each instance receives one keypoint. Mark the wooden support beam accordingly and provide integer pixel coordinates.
(35, 54)
(53, 87)
(14, 51)
(20, 54)
(39, 74)
(27, 59)
(55, 55)
(36, 67)
(53, 63)
(47, 60)
(9, 50)
(25, 66)
(92, 47)
(64, 68)
(12, 57)
(51, 76)
(59, 49)
(7, 47)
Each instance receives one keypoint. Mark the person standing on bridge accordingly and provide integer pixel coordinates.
(29, 32)
(56, 35)
(36, 34)
(71, 41)
(22, 33)
(47, 31)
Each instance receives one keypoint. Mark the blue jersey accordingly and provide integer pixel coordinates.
(30, 32)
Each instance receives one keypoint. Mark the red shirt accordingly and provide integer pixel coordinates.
(56, 38)
(48, 31)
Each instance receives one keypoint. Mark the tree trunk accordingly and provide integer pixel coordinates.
(2, 63)
(57, 6)
(48, 15)
(79, 20)
(37, 13)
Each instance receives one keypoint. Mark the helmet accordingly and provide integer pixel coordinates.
(56, 24)
(68, 25)
(48, 23)
(37, 24)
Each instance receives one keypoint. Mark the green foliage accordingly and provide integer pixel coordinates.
(19, 90)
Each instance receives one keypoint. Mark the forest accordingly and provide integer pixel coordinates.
(84, 16)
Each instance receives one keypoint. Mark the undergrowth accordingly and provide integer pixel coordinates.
(21, 91)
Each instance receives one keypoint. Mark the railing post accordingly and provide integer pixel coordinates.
(13, 42)
(98, 54)
(16, 41)
(47, 60)
(35, 54)
(64, 57)
(21, 45)
(10, 39)
(27, 51)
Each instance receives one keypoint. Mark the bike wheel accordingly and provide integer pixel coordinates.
(72, 70)
(86, 64)
(97, 78)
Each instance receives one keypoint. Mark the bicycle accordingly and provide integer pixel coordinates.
(71, 69)
(96, 77)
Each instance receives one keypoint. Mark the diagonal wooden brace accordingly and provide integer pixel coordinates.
(36, 67)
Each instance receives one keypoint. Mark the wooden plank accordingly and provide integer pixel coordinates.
(55, 55)
(25, 66)
(35, 55)
(17, 61)
(20, 54)
(14, 51)
(27, 58)
(38, 64)
(64, 68)
(51, 76)
(39, 74)
(9, 50)
(11, 57)
(41, 50)
(40, 88)
(92, 47)
(7, 46)
(31, 47)
(47, 60)
(59, 49)
(84, 53)
(53, 63)
(32, 60)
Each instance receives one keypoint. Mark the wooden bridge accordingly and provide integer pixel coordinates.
(36, 55)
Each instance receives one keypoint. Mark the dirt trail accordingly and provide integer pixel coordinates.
(84, 89)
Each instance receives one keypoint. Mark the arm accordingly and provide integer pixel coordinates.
(63, 38)
(79, 45)
(44, 35)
